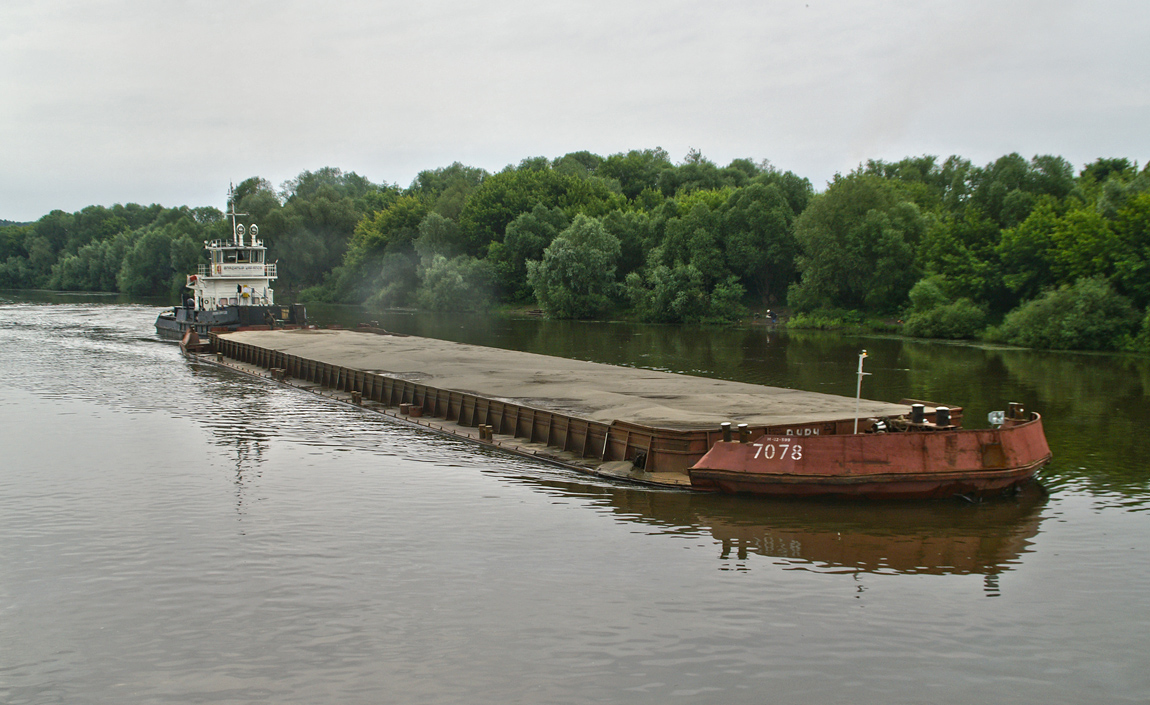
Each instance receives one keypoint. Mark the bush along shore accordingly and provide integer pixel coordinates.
(1024, 251)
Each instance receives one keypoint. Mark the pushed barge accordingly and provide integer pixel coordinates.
(231, 292)
(655, 427)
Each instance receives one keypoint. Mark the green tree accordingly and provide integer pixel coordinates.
(679, 293)
(1027, 250)
(576, 277)
(795, 189)
(694, 236)
(1132, 265)
(668, 294)
(637, 170)
(1059, 243)
(447, 188)
(53, 230)
(462, 283)
(95, 267)
(186, 255)
(310, 234)
(694, 174)
(634, 230)
(147, 267)
(309, 185)
(438, 236)
(758, 227)
(1141, 342)
(526, 238)
(1100, 170)
(395, 281)
(380, 262)
(963, 247)
(41, 257)
(12, 241)
(934, 314)
(686, 277)
(857, 243)
(14, 271)
(503, 197)
(393, 229)
(258, 198)
(158, 261)
(582, 163)
(1088, 315)
(317, 229)
(1010, 187)
(92, 224)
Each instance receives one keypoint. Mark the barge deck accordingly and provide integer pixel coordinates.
(640, 425)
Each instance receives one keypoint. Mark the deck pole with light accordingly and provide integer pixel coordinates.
(858, 391)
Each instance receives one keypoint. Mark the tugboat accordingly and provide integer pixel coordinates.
(232, 292)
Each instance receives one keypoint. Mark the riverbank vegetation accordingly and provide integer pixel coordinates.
(1022, 251)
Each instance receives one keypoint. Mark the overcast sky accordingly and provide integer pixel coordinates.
(117, 101)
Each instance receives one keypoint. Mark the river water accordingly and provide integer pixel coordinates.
(175, 532)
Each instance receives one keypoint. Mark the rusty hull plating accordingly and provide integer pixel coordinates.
(907, 465)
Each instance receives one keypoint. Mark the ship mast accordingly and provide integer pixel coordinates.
(237, 229)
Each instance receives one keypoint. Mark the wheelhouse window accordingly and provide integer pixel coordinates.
(237, 256)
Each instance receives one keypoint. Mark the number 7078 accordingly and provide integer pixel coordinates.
(771, 451)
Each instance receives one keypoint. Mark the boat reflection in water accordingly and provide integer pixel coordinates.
(927, 537)
(921, 539)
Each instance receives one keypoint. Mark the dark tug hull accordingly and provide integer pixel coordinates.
(174, 323)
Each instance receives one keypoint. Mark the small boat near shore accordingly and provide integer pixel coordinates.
(232, 291)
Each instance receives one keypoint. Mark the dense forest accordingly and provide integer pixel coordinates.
(1024, 251)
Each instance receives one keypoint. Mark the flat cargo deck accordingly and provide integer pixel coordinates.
(586, 390)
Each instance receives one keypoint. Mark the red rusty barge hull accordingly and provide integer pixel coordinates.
(909, 465)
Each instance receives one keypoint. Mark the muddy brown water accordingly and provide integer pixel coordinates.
(177, 532)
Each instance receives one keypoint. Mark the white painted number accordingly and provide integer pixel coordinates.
(768, 451)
